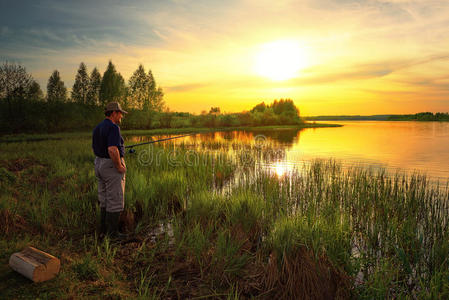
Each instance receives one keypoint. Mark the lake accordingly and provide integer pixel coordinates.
(395, 146)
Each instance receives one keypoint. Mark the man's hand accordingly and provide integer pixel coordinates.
(116, 159)
(121, 169)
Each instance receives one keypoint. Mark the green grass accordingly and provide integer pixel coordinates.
(201, 233)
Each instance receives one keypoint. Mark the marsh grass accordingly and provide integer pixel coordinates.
(86, 269)
(231, 227)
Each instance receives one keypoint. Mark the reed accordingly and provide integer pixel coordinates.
(211, 219)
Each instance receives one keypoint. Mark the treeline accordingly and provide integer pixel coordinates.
(423, 116)
(38, 116)
(280, 112)
(25, 108)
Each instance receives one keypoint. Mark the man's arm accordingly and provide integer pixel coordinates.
(115, 156)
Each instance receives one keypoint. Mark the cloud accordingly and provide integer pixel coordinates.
(185, 87)
(440, 84)
(321, 75)
(45, 34)
(361, 74)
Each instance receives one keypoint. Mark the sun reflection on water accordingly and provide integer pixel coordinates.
(280, 168)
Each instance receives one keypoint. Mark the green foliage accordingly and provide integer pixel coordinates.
(284, 106)
(291, 233)
(197, 240)
(16, 83)
(56, 91)
(6, 176)
(86, 269)
(282, 112)
(35, 93)
(203, 207)
(81, 86)
(112, 88)
(423, 116)
(228, 120)
(144, 284)
(106, 251)
(247, 210)
(17, 89)
(214, 110)
(143, 94)
(228, 258)
(259, 108)
(39, 116)
(143, 100)
(393, 230)
(139, 90)
(139, 119)
(93, 94)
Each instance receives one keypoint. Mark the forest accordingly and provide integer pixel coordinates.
(24, 108)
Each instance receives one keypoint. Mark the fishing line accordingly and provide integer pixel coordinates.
(132, 150)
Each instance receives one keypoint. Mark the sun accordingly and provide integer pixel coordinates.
(280, 60)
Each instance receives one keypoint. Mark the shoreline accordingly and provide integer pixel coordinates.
(30, 137)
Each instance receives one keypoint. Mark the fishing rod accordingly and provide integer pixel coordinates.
(132, 150)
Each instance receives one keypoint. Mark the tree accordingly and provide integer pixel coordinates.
(283, 106)
(15, 82)
(34, 92)
(269, 117)
(259, 107)
(156, 95)
(214, 110)
(158, 100)
(16, 86)
(112, 86)
(139, 89)
(56, 91)
(143, 93)
(81, 86)
(93, 95)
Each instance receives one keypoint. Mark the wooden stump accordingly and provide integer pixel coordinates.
(35, 264)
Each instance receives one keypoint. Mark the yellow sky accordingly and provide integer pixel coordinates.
(356, 56)
(376, 57)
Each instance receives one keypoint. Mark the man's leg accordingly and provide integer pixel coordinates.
(101, 196)
(115, 198)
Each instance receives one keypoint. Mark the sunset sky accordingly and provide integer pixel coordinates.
(329, 56)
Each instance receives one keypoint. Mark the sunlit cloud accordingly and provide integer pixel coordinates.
(185, 87)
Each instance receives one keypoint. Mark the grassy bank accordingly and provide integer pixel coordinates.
(319, 232)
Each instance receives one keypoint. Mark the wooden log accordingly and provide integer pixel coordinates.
(35, 264)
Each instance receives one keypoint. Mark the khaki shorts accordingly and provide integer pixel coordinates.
(111, 185)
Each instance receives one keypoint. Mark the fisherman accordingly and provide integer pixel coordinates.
(110, 169)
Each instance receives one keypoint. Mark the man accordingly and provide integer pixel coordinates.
(110, 168)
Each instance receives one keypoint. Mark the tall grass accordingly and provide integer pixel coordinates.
(238, 228)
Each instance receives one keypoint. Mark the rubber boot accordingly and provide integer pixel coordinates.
(112, 226)
(103, 227)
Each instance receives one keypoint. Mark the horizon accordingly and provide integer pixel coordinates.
(331, 57)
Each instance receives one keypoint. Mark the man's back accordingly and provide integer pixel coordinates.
(104, 135)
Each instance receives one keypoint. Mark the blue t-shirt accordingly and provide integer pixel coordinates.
(107, 134)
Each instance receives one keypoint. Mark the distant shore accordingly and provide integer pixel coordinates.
(421, 117)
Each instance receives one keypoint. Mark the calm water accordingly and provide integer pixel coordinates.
(396, 146)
